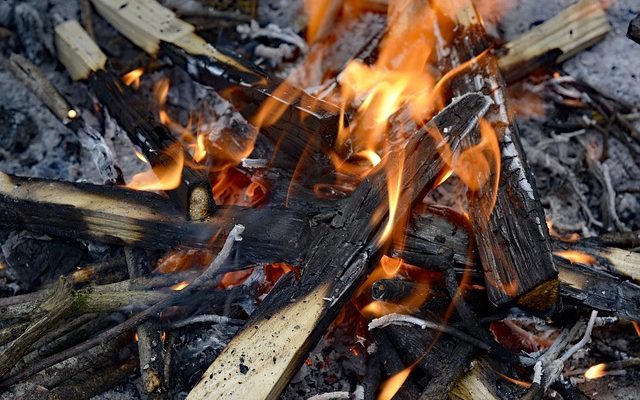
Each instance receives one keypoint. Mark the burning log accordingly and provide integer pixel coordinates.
(191, 191)
(120, 216)
(513, 271)
(568, 33)
(330, 274)
(291, 118)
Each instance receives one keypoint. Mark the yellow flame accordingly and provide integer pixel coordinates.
(179, 286)
(132, 78)
(576, 256)
(141, 156)
(390, 387)
(596, 371)
(200, 151)
(161, 177)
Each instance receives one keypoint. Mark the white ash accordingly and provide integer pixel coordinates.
(253, 30)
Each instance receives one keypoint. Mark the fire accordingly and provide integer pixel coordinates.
(573, 237)
(132, 78)
(141, 156)
(515, 381)
(596, 371)
(390, 387)
(179, 286)
(161, 177)
(635, 324)
(576, 256)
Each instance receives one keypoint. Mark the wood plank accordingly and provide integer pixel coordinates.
(293, 317)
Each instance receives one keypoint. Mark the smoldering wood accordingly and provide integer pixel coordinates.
(306, 122)
(156, 141)
(396, 290)
(96, 383)
(513, 273)
(96, 270)
(633, 32)
(330, 273)
(116, 215)
(581, 285)
(84, 60)
(569, 32)
(614, 260)
(392, 364)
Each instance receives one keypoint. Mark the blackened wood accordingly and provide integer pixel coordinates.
(616, 261)
(582, 285)
(440, 385)
(116, 215)
(393, 364)
(633, 32)
(155, 140)
(512, 242)
(337, 262)
(98, 382)
(396, 290)
(306, 122)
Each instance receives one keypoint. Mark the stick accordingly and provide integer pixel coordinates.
(329, 275)
(571, 31)
(84, 60)
(116, 215)
(132, 322)
(293, 119)
(513, 272)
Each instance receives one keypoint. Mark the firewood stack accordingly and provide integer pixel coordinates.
(375, 225)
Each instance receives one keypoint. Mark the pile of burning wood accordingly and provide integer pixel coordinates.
(389, 202)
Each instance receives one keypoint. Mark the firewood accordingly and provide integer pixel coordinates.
(84, 60)
(512, 241)
(568, 33)
(330, 274)
(300, 119)
(583, 285)
(120, 216)
(98, 382)
(633, 32)
(477, 384)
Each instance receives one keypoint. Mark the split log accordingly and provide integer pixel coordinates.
(512, 241)
(477, 384)
(291, 118)
(611, 259)
(84, 60)
(633, 32)
(582, 285)
(336, 264)
(566, 34)
(120, 216)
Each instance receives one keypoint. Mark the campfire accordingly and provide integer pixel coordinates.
(298, 199)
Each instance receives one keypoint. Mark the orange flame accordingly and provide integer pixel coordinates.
(179, 286)
(390, 387)
(596, 371)
(576, 256)
(573, 237)
(132, 78)
(162, 177)
(636, 326)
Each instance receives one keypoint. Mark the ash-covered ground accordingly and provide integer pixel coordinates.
(573, 175)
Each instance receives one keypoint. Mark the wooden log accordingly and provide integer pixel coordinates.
(286, 114)
(336, 264)
(611, 259)
(574, 29)
(512, 241)
(84, 60)
(477, 384)
(633, 32)
(583, 285)
(120, 216)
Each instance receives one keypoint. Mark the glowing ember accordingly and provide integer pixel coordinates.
(576, 256)
(636, 326)
(132, 78)
(390, 387)
(135, 337)
(596, 371)
(179, 286)
(515, 381)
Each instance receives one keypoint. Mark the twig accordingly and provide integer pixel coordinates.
(216, 319)
(137, 319)
(585, 339)
(330, 396)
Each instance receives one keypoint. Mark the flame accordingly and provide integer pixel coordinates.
(162, 177)
(390, 387)
(573, 237)
(141, 156)
(200, 151)
(596, 371)
(394, 186)
(576, 256)
(515, 381)
(163, 336)
(135, 337)
(635, 324)
(179, 286)
(132, 78)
